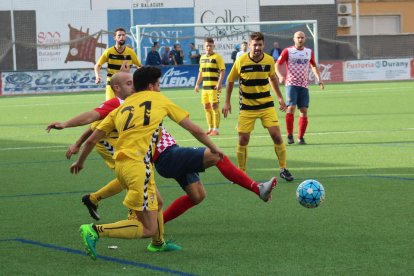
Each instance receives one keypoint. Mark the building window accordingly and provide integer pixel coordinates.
(377, 25)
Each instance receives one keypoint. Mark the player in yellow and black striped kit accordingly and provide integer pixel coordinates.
(115, 57)
(256, 73)
(211, 73)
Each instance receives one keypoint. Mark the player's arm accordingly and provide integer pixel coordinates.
(86, 150)
(74, 149)
(102, 60)
(125, 67)
(80, 120)
(315, 71)
(233, 75)
(198, 82)
(279, 74)
(200, 135)
(220, 80)
(275, 86)
(227, 103)
(317, 74)
(97, 69)
(279, 63)
(135, 59)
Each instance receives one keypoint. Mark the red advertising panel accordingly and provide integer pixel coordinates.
(331, 71)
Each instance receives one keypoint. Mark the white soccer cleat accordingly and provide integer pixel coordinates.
(266, 188)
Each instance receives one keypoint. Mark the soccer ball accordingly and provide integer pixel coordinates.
(310, 193)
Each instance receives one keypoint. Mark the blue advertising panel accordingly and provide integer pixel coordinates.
(183, 76)
(164, 36)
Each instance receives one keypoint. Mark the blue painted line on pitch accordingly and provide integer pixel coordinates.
(100, 257)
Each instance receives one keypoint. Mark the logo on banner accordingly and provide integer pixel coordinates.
(147, 4)
(83, 45)
(177, 78)
(19, 79)
(325, 71)
(236, 32)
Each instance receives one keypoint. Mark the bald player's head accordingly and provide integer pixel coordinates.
(122, 84)
(299, 38)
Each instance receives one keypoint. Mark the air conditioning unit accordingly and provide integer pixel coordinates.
(345, 8)
(344, 21)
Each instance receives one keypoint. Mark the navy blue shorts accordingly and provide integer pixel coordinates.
(297, 96)
(182, 164)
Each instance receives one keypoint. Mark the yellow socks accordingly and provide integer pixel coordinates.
(241, 157)
(209, 118)
(281, 154)
(158, 239)
(124, 229)
(110, 189)
(216, 119)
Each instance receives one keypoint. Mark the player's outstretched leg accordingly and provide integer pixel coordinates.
(266, 188)
(92, 208)
(89, 238)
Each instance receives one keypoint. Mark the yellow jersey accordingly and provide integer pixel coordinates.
(210, 67)
(137, 121)
(254, 81)
(115, 59)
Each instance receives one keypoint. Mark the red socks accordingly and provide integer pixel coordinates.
(177, 208)
(290, 118)
(229, 171)
(303, 123)
(235, 175)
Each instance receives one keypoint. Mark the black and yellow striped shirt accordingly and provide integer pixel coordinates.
(210, 67)
(254, 81)
(115, 59)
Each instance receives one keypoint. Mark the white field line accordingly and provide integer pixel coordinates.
(229, 138)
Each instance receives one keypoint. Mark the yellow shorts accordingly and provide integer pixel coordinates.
(106, 151)
(247, 119)
(210, 96)
(109, 93)
(141, 194)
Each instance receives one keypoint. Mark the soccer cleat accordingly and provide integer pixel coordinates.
(214, 133)
(284, 173)
(208, 131)
(301, 141)
(89, 238)
(290, 139)
(266, 188)
(92, 208)
(166, 246)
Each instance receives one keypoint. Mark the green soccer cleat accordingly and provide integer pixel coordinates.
(89, 238)
(166, 246)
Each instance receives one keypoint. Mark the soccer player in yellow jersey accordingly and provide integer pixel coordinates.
(116, 57)
(211, 73)
(256, 73)
(137, 121)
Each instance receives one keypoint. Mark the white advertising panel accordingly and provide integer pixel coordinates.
(49, 81)
(50, 5)
(295, 2)
(230, 11)
(61, 28)
(378, 69)
(140, 4)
